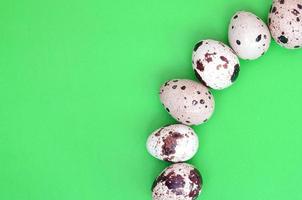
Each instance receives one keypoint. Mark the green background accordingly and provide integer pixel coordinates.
(79, 85)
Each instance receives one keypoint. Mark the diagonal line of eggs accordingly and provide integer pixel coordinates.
(216, 65)
(191, 103)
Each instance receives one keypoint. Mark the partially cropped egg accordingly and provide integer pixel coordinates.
(285, 23)
(179, 181)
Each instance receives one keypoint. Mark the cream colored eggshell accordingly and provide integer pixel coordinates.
(173, 143)
(215, 64)
(248, 35)
(189, 102)
(285, 23)
(179, 181)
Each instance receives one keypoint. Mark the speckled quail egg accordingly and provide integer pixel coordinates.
(285, 23)
(179, 181)
(215, 64)
(189, 102)
(173, 143)
(248, 35)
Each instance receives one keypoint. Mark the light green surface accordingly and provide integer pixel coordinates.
(79, 87)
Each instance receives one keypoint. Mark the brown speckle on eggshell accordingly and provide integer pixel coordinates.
(213, 64)
(285, 24)
(180, 98)
(173, 143)
(179, 181)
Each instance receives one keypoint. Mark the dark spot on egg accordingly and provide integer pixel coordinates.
(199, 65)
(235, 73)
(283, 39)
(225, 60)
(274, 9)
(170, 143)
(196, 179)
(157, 134)
(168, 110)
(281, 1)
(258, 38)
(174, 86)
(295, 12)
(238, 42)
(208, 57)
(235, 17)
(269, 21)
(183, 87)
(297, 46)
(173, 181)
(194, 102)
(299, 6)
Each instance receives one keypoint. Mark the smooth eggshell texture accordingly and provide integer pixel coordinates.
(215, 64)
(249, 36)
(285, 23)
(189, 102)
(173, 143)
(179, 181)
